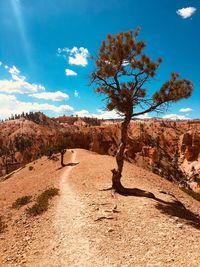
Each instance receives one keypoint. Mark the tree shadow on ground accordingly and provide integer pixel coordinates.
(125, 191)
(68, 165)
(173, 208)
(178, 210)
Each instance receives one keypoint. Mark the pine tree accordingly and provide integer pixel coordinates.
(122, 70)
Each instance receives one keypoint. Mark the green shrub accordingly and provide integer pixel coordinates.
(42, 202)
(21, 201)
(2, 226)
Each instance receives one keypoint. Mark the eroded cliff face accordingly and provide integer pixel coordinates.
(171, 149)
(161, 146)
(22, 141)
(149, 142)
(190, 145)
(190, 157)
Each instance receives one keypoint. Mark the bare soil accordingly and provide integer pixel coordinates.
(86, 226)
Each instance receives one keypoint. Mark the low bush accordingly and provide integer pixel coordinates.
(21, 201)
(30, 168)
(42, 202)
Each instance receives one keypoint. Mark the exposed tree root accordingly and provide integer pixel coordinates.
(106, 189)
(103, 218)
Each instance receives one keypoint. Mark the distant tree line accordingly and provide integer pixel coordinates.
(36, 117)
(33, 116)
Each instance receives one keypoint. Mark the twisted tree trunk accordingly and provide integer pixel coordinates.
(117, 172)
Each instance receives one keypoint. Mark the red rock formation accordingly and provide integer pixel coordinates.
(190, 145)
(150, 143)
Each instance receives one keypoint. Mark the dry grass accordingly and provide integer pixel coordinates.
(21, 201)
(42, 202)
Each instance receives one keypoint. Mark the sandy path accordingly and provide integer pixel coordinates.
(69, 245)
(142, 232)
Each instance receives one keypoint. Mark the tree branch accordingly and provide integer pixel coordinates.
(105, 82)
(117, 83)
(152, 108)
(142, 82)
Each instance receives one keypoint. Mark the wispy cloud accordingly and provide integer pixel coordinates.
(18, 83)
(100, 114)
(105, 114)
(76, 94)
(75, 56)
(9, 104)
(144, 116)
(186, 12)
(185, 109)
(54, 96)
(83, 113)
(175, 117)
(69, 72)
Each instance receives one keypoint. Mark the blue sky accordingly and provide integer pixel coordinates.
(45, 47)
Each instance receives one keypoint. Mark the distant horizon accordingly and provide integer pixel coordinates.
(12, 117)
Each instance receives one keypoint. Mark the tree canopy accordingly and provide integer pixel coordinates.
(123, 69)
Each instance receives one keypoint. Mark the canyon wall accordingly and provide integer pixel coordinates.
(169, 148)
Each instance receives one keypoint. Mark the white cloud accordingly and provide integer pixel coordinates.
(76, 94)
(1, 63)
(69, 72)
(185, 110)
(175, 117)
(9, 104)
(100, 115)
(18, 84)
(6, 67)
(186, 12)
(59, 50)
(144, 116)
(83, 113)
(54, 96)
(14, 71)
(76, 56)
(107, 114)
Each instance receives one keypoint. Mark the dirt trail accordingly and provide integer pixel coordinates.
(86, 226)
(69, 245)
